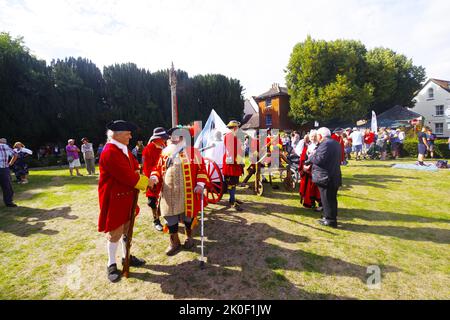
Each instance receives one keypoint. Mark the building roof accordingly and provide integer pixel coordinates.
(250, 106)
(275, 91)
(252, 123)
(444, 84)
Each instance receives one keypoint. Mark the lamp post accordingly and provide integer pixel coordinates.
(173, 92)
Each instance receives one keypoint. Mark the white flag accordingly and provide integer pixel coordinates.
(374, 125)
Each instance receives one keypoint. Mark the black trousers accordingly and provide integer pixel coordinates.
(5, 182)
(329, 202)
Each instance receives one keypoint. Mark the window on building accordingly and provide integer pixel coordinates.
(268, 103)
(439, 110)
(431, 93)
(268, 120)
(439, 128)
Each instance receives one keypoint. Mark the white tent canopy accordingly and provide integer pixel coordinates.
(212, 125)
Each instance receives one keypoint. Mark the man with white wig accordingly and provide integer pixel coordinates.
(119, 177)
(326, 174)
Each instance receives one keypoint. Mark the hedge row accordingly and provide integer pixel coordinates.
(441, 149)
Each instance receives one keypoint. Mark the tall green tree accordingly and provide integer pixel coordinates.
(341, 80)
(71, 98)
(394, 77)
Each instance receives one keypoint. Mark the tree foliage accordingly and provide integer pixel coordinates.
(72, 98)
(341, 80)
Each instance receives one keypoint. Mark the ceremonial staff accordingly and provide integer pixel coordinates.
(126, 265)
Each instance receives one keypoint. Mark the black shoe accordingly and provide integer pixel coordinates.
(239, 201)
(12, 205)
(134, 261)
(237, 207)
(113, 273)
(328, 223)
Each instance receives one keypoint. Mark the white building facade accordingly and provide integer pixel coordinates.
(433, 103)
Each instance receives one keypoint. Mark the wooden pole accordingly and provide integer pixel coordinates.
(126, 265)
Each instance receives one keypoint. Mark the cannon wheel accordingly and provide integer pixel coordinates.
(290, 181)
(214, 191)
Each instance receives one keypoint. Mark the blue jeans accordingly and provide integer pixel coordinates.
(5, 182)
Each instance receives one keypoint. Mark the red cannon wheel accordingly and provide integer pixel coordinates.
(214, 192)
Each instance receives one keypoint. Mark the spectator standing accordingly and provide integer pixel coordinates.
(369, 142)
(89, 156)
(20, 167)
(357, 142)
(422, 146)
(295, 139)
(99, 150)
(246, 146)
(326, 174)
(72, 157)
(395, 143)
(347, 146)
(5, 177)
(431, 137)
(137, 151)
(401, 139)
(382, 141)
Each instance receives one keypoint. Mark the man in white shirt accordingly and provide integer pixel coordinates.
(357, 141)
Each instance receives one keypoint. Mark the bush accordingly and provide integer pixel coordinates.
(46, 162)
(440, 151)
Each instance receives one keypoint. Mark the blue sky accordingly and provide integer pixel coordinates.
(249, 40)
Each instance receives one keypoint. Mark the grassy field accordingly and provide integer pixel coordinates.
(398, 220)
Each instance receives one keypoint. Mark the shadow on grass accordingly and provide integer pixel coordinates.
(436, 235)
(42, 181)
(373, 180)
(416, 234)
(24, 221)
(244, 264)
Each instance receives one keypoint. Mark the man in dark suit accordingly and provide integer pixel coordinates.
(326, 174)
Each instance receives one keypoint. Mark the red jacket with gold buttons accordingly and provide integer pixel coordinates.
(118, 177)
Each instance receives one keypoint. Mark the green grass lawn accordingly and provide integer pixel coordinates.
(398, 220)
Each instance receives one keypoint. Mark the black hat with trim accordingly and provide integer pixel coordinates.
(121, 125)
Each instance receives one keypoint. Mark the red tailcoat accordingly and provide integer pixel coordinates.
(118, 177)
(309, 192)
(194, 171)
(234, 152)
(341, 142)
(150, 156)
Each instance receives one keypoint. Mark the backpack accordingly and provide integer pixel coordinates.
(441, 164)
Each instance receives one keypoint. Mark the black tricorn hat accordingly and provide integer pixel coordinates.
(121, 125)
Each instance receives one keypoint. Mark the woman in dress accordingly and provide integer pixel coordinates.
(20, 167)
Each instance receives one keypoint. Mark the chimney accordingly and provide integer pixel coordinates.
(276, 86)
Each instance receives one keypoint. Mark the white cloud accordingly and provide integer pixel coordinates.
(250, 40)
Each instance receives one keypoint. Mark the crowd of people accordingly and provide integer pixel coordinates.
(173, 173)
(363, 144)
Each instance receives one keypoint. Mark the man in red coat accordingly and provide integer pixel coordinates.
(181, 176)
(119, 177)
(150, 158)
(337, 136)
(233, 162)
